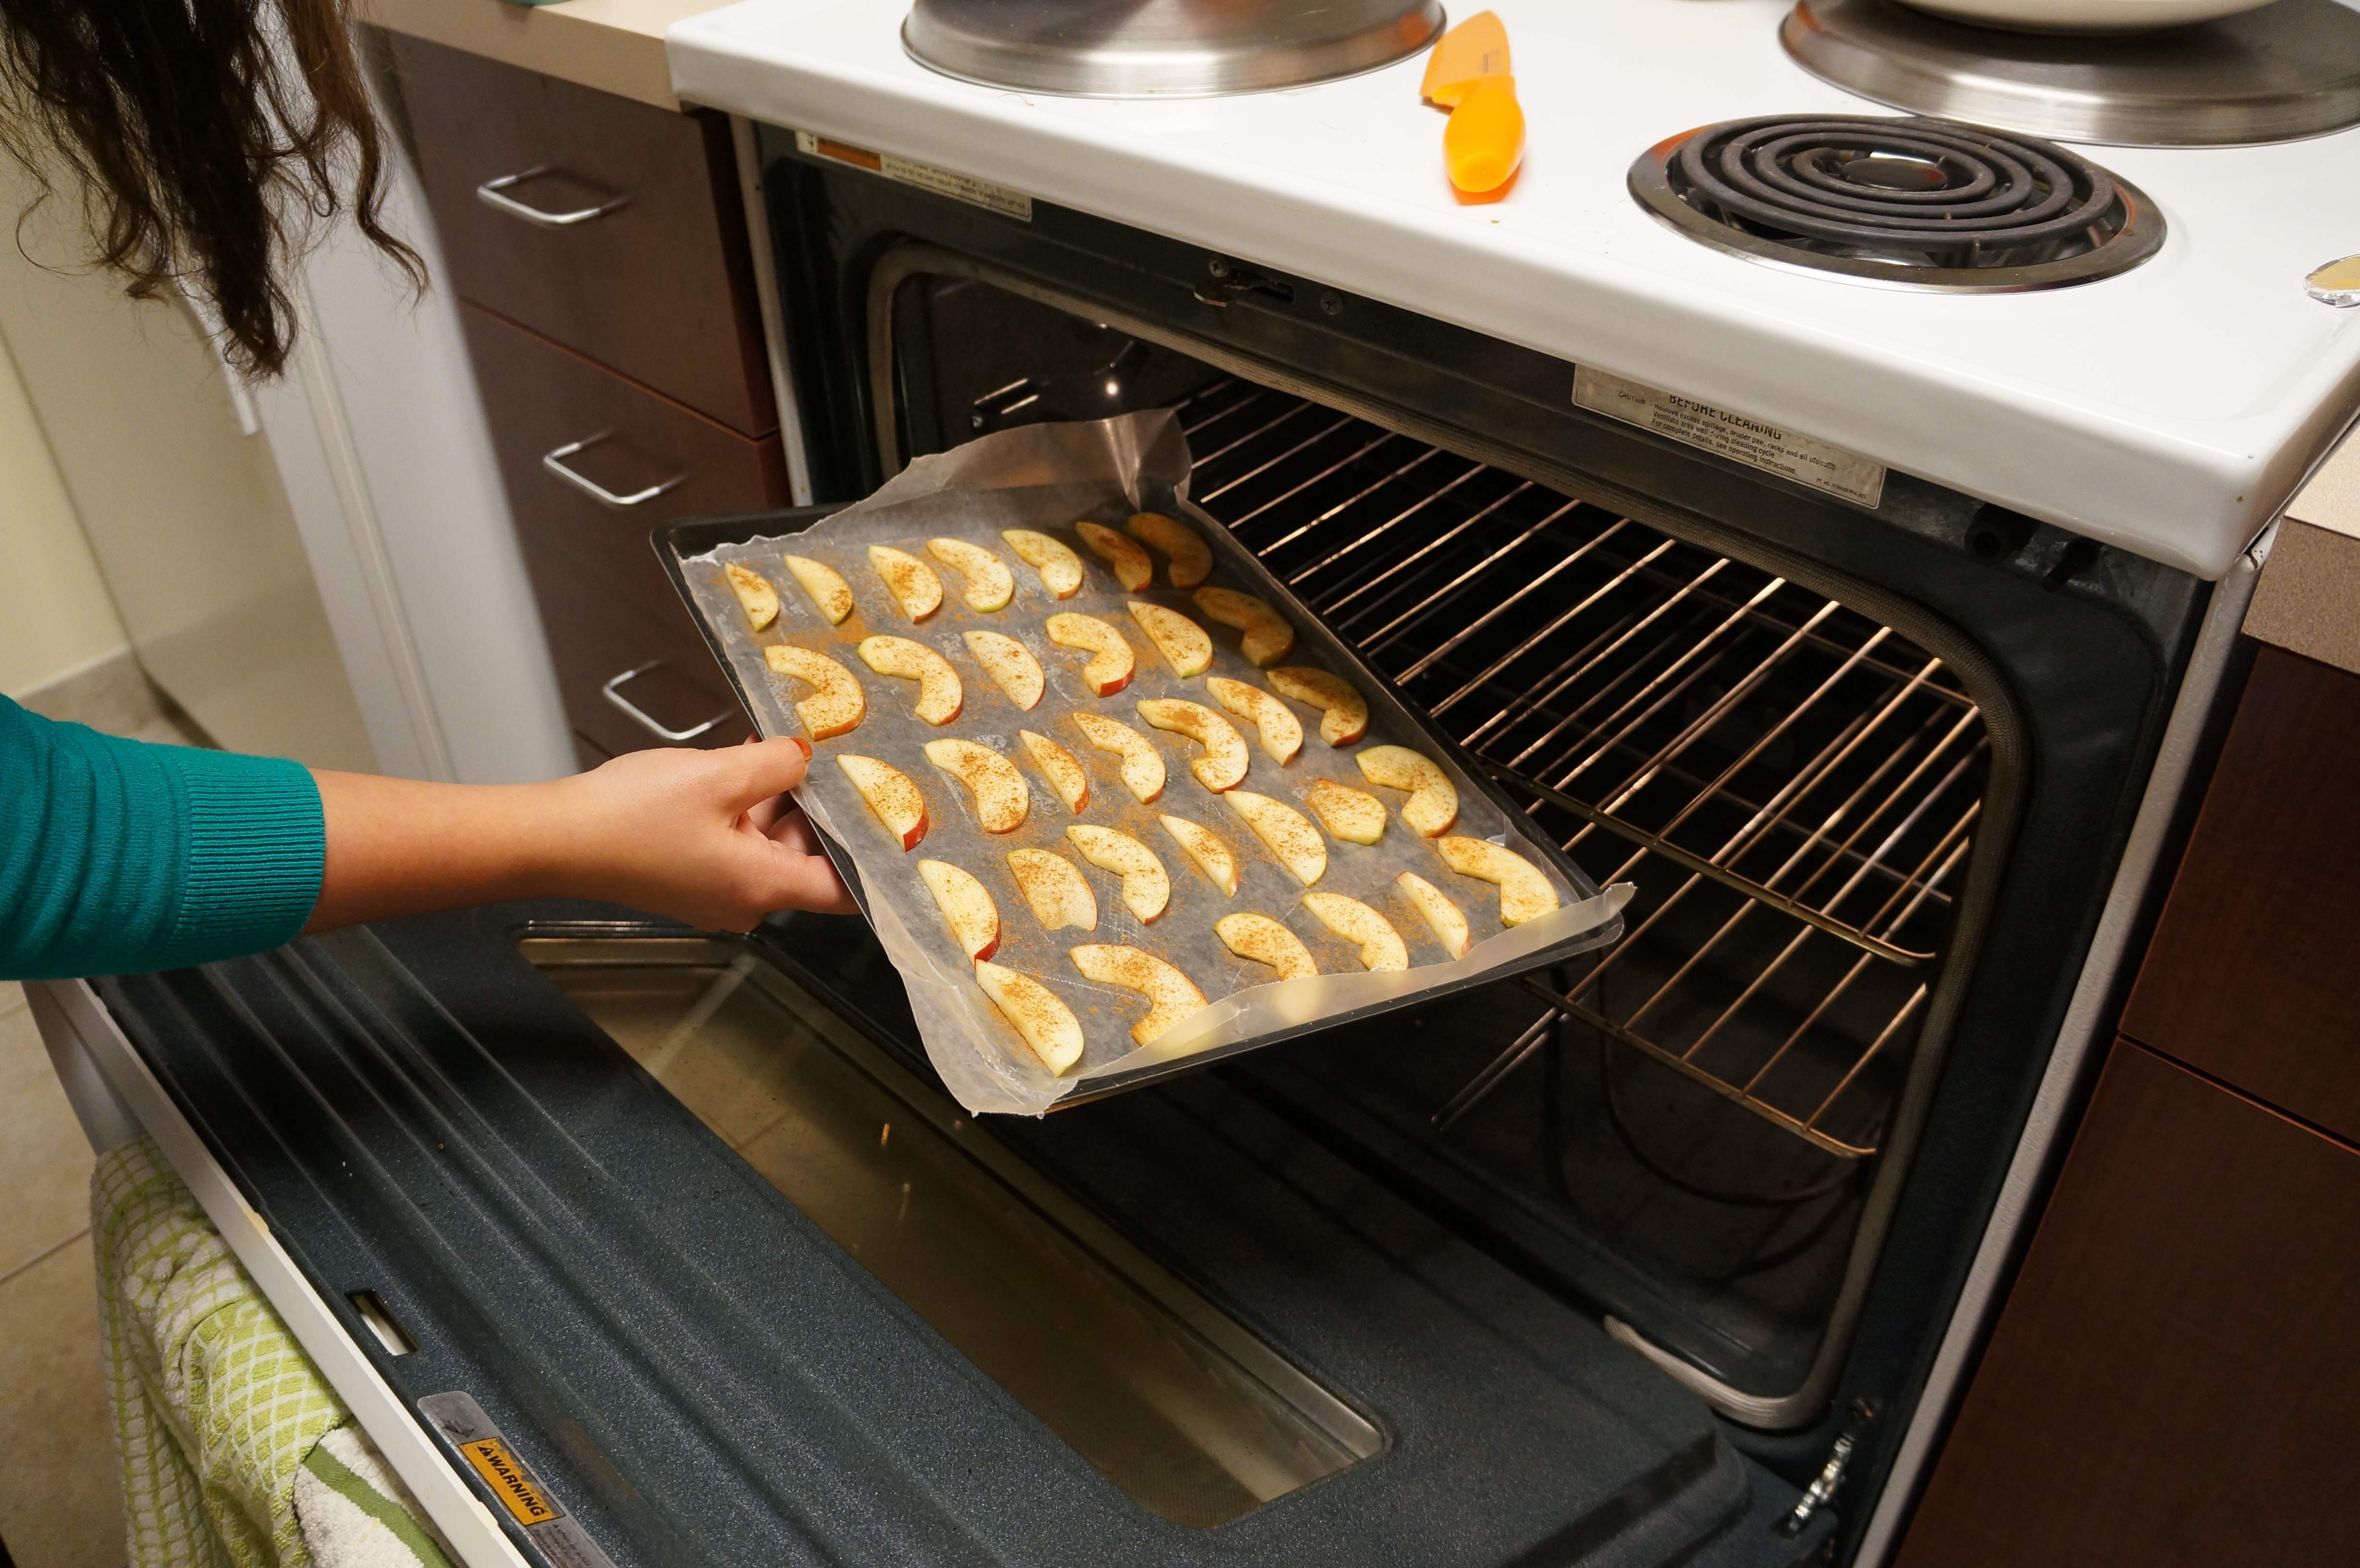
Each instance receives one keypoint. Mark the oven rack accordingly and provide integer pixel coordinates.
(1793, 786)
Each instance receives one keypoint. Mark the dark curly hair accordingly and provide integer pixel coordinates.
(212, 140)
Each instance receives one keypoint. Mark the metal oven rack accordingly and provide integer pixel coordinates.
(1793, 787)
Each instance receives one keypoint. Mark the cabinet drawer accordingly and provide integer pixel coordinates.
(658, 286)
(656, 461)
(660, 667)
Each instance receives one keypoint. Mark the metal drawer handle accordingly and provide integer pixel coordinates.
(613, 690)
(555, 463)
(489, 195)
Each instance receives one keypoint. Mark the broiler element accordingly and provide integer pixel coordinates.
(1145, 886)
(830, 593)
(1192, 558)
(1142, 765)
(1181, 641)
(1223, 766)
(1281, 731)
(1266, 637)
(1171, 996)
(1381, 946)
(1344, 713)
(1060, 767)
(990, 583)
(1035, 1013)
(911, 582)
(1211, 856)
(1284, 831)
(1353, 815)
(836, 704)
(891, 794)
(1011, 666)
(755, 592)
(1524, 893)
(1433, 803)
(940, 694)
(1130, 565)
(1057, 894)
(966, 904)
(1060, 568)
(1261, 940)
(1001, 798)
(1442, 917)
(1112, 663)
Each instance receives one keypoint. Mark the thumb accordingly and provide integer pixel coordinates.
(767, 769)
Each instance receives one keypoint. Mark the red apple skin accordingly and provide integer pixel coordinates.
(910, 840)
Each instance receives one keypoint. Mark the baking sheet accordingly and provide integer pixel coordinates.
(1043, 477)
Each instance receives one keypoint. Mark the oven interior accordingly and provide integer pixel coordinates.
(1680, 1133)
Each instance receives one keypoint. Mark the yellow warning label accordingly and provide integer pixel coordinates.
(490, 1457)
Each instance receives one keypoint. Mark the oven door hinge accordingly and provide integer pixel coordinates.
(1822, 1487)
(1228, 280)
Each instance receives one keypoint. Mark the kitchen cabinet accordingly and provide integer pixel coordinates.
(598, 248)
(2171, 1380)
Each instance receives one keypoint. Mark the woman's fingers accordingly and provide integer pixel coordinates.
(760, 771)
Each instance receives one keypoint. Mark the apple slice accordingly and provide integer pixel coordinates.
(1129, 564)
(1262, 939)
(890, 794)
(1223, 766)
(1039, 1018)
(1449, 925)
(1211, 856)
(1142, 766)
(966, 904)
(1060, 767)
(1266, 638)
(1000, 796)
(830, 593)
(1281, 731)
(990, 583)
(1111, 668)
(1284, 831)
(1344, 713)
(1171, 996)
(1524, 893)
(1145, 888)
(1433, 803)
(1381, 946)
(755, 592)
(1059, 894)
(1180, 640)
(836, 705)
(911, 581)
(1192, 558)
(1010, 664)
(1353, 815)
(940, 695)
(1060, 568)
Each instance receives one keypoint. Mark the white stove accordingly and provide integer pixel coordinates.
(2169, 410)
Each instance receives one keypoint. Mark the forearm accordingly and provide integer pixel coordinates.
(399, 846)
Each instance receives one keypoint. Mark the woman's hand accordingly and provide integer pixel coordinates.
(704, 836)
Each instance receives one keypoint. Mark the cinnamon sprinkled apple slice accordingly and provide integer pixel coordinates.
(1001, 798)
(1146, 888)
(1344, 713)
(1043, 1021)
(1445, 919)
(1060, 767)
(1262, 939)
(1353, 815)
(1142, 765)
(1171, 996)
(1060, 568)
(890, 794)
(940, 694)
(1223, 766)
(1181, 641)
(1113, 664)
(1524, 893)
(911, 581)
(1211, 856)
(1284, 831)
(830, 593)
(1058, 895)
(966, 904)
(1266, 638)
(1281, 731)
(837, 706)
(1192, 558)
(1129, 564)
(990, 583)
(1010, 664)
(1381, 946)
(1433, 803)
(754, 592)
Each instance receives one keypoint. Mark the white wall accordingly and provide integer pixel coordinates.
(55, 615)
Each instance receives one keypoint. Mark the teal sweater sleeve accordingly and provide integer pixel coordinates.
(117, 857)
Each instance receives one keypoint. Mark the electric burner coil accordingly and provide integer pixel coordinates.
(1911, 204)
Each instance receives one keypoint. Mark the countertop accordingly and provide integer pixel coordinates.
(2307, 599)
(616, 45)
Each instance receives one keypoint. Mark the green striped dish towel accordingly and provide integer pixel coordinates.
(236, 1452)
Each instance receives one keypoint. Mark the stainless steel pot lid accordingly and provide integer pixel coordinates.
(1159, 49)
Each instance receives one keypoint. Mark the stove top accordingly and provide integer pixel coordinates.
(1906, 203)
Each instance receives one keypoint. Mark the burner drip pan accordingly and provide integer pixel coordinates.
(2287, 71)
(1911, 204)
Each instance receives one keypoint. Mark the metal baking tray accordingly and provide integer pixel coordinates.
(1045, 476)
